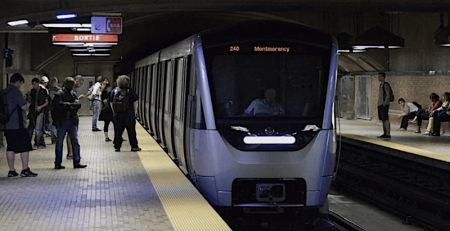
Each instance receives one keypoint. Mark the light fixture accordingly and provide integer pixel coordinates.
(66, 16)
(18, 22)
(441, 36)
(377, 37)
(81, 54)
(67, 25)
(269, 139)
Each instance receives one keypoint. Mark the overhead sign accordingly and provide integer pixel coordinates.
(106, 25)
(100, 38)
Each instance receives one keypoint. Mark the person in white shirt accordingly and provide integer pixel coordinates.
(97, 103)
(409, 112)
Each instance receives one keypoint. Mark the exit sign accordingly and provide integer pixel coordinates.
(106, 25)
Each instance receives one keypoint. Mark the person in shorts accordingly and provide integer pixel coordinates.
(16, 133)
(383, 106)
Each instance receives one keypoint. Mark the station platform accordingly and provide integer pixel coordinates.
(408, 138)
(117, 191)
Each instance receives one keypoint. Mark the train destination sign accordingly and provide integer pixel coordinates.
(263, 49)
(92, 38)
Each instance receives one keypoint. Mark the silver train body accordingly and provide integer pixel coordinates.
(192, 98)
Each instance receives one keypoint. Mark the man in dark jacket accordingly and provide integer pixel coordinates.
(39, 105)
(65, 117)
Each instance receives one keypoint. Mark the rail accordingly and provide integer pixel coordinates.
(413, 186)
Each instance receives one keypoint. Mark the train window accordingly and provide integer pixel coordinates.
(286, 80)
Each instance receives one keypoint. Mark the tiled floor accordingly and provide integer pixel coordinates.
(113, 193)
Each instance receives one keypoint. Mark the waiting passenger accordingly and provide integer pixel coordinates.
(265, 106)
(409, 112)
(106, 113)
(39, 106)
(124, 109)
(443, 114)
(425, 114)
(383, 105)
(17, 136)
(65, 106)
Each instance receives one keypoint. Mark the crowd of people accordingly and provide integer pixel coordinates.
(50, 109)
(437, 112)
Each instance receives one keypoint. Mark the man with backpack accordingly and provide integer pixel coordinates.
(124, 103)
(15, 128)
(385, 96)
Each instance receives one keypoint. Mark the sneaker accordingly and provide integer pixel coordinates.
(401, 129)
(96, 130)
(117, 149)
(108, 139)
(427, 133)
(12, 173)
(136, 149)
(69, 157)
(28, 173)
(418, 131)
(35, 147)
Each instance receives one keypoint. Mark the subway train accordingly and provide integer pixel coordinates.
(203, 100)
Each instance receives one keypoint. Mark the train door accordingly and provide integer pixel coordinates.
(147, 91)
(194, 116)
(161, 96)
(143, 84)
(168, 107)
(363, 97)
(154, 102)
(181, 94)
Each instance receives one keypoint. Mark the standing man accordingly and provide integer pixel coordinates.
(97, 102)
(78, 83)
(383, 105)
(17, 136)
(66, 105)
(38, 108)
(124, 113)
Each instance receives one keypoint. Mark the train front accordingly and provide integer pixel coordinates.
(271, 142)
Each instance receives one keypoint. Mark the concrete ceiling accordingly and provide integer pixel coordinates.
(201, 15)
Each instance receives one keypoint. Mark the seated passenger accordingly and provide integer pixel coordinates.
(409, 112)
(443, 114)
(427, 113)
(266, 106)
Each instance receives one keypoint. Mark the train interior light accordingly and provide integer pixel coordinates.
(269, 139)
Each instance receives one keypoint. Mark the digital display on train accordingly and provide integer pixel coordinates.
(274, 49)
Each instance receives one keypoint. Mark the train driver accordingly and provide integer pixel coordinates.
(266, 106)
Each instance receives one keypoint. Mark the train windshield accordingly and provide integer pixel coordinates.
(268, 79)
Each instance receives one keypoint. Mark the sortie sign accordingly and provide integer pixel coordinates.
(106, 25)
(92, 38)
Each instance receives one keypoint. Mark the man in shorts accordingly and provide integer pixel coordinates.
(383, 106)
(16, 132)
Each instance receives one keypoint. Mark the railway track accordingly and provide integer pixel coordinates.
(414, 187)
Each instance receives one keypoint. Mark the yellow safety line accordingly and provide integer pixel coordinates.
(186, 208)
(401, 147)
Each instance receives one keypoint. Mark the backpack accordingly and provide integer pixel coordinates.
(4, 115)
(392, 98)
(417, 104)
(121, 100)
(90, 94)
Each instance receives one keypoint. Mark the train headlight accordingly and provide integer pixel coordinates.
(269, 139)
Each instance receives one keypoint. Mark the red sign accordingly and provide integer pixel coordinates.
(114, 25)
(92, 38)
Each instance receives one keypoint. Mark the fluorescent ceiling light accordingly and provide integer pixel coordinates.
(100, 44)
(81, 54)
(67, 25)
(66, 16)
(68, 43)
(269, 140)
(82, 29)
(78, 50)
(100, 54)
(18, 22)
